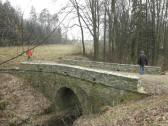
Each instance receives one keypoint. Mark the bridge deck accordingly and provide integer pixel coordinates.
(107, 78)
(123, 74)
(150, 84)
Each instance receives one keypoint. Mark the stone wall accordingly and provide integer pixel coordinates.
(112, 66)
(91, 96)
(93, 88)
(107, 78)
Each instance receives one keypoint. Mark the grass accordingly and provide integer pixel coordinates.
(45, 52)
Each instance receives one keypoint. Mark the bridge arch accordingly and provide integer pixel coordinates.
(68, 97)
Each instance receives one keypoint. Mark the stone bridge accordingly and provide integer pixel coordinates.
(88, 89)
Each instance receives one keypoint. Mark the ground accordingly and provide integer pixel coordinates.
(155, 84)
(20, 103)
(151, 111)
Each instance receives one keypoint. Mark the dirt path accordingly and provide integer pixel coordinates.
(155, 84)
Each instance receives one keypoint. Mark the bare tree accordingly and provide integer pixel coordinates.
(105, 29)
(77, 7)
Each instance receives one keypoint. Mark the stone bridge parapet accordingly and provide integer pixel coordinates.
(112, 66)
(107, 78)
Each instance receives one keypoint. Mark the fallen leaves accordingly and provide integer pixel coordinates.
(19, 103)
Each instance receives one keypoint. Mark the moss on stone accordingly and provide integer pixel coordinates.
(131, 96)
(3, 104)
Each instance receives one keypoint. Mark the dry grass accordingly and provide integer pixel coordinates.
(46, 52)
(23, 103)
(152, 111)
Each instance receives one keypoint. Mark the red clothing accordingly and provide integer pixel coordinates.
(29, 53)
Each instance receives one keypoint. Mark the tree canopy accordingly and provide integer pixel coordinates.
(14, 30)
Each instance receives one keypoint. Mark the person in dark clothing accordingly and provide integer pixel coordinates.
(142, 61)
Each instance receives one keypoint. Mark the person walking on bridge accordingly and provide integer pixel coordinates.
(142, 61)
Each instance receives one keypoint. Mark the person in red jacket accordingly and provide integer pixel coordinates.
(29, 55)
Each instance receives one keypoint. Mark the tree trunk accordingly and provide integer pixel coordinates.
(105, 25)
(81, 27)
(76, 6)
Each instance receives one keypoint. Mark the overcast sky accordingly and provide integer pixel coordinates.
(53, 6)
(25, 5)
